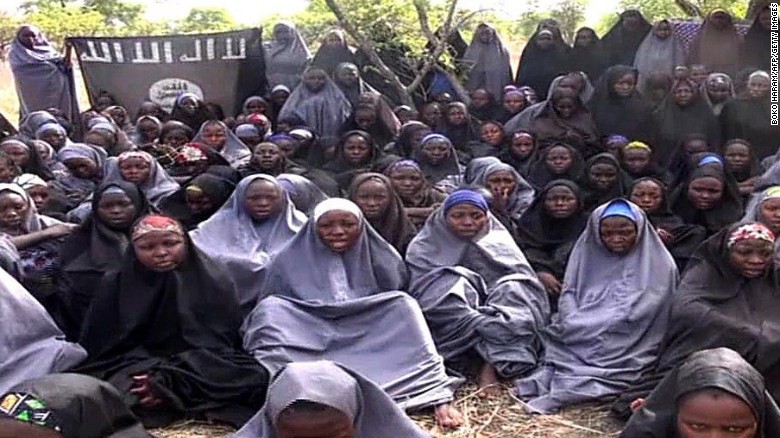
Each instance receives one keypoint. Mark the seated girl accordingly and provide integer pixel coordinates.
(713, 393)
(709, 198)
(200, 197)
(521, 152)
(140, 168)
(303, 193)
(383, 209)
(217, 136)
(25, 155)
(31, 343)
(548, 231)
(342, 404)
(559, 161)
(269, 158)
(681, 239)
(512, 195)
(319, 103)
(164, 331)
(253, 225)
(85, 171)
(636, 159)
(612, 313)
(437, 158)
(355, 154)
(742, 163)
(419, 198)
(764, 207)
(603, 181)
(350, 310)
(482, 300)
(98, 245)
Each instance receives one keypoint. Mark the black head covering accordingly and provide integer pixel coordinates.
(729, 210)
(630, 116)
(718, 368)
(594, 197)
(217, 184)
(537, 68)
(329, 56)
(522, 165)
(35, 164)
(80, 406)
(757, 44)
(403, 145)
(539, 175)
(591, 60)
(621, 44)
(193, 121)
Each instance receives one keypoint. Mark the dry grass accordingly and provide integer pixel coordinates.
(500, 417)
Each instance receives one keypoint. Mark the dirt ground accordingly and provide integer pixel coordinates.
(502, 417)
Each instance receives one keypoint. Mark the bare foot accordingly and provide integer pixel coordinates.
(488, 382)
(637, 404)
(447, 416)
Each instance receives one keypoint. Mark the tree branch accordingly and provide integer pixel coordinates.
(422, 15)
(439, 48)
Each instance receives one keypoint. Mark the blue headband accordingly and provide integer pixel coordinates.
(247, 130)
(280, 136)
(710, 159)
(620, 208)
(430, 137)
(465, 196)
(617, 138)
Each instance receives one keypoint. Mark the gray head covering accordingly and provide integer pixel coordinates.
(371, 266)
(71, 185)
(373, 412)
(284, 63)
(243, 245)
(719, 368)
(32, 221)
(655, 54)
(324, 111)
(234, 151)
(521, 197)
(157, 186)
(753, 209)
(302, 192)
(612, 316)
(33, 121)
(31, 344)
(718, 78)
(490, 66)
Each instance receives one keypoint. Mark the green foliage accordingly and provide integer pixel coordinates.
(60, 22)
(117, 12)
(655, 10)
(206, 19)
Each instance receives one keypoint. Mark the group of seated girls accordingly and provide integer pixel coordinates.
(319, 264)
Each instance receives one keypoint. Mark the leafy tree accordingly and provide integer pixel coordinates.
(60, 22)
(117, 12)
(569, 14)
(657, 9)
(206, 19)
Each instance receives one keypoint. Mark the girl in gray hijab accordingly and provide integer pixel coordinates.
(329, 400)
(480, 295)
(285, 56)
(612, 313)
(253, 225)
(661, 50)
(31, 344)
(319, 102)
(489, 61)
(350, 309)
(216, 135)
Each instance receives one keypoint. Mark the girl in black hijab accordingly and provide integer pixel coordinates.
(201, 196)
(587, 55)
(749, 117)
(383, 209)
(757, 42)
(559, 161)
(617, 107)
(520, 152)
(603, 181)
(165, 332)
(548, 231)
(190, 110)
(543, 59)
(25, 155)
(709, 198)
(99, 244)
(460, 128)
(681, 239)
(623, 40)
(333, 51)
(355, 154)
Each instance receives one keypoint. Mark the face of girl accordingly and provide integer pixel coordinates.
(315, 80)
(256, 106)
(715, 413)
(189, 105)
(82, 167)
(559, 159)
(267, 156)
(522, 146)
(287, 148)
(663, 31)
(480, 98)
(214, 135)
(118, 115)
(544, 41)
(416, 138)
(618, 234)
(718, 91)
(758, 87)
(19, 154)
(565, 107)
(327, 424)
(199, 203)
(466, 221)
(514, 102)
(737, 156)
(752, 257)
(492, 134)
(175, 138)
(356, 150)
(636, 160)
(604, 176)
(8, 171)
(560, 202)
(55, 138)
(161, 251)
(149, 131)
(699, 73)
(770, 213)
(365, 119)
(584, 38)
(280, 97)
(407, 182)
(457, 115)
(502, 181)
(648, 196)
(263, 200)
(339, 230)
(696, 146)
(135, 170)
(625, 85)
(348, 75)
(39, 195)
(13, 209)
(436, 151)
(683, 94)
(373, 198)
(117, 210)
(43, 151)
(705, 193)
(431, 114)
